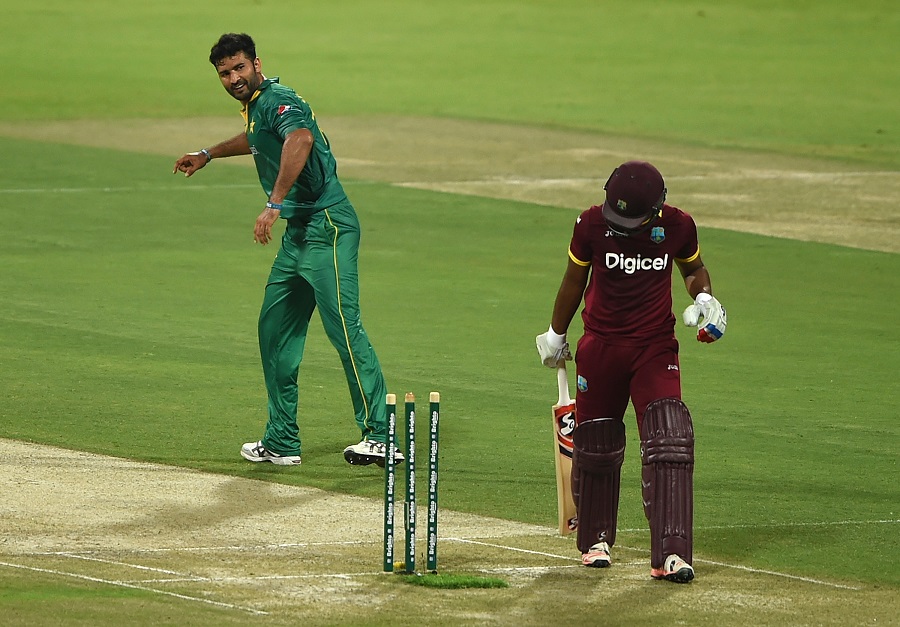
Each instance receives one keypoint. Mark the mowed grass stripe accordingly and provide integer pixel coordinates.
(134, 586)
(744, 191)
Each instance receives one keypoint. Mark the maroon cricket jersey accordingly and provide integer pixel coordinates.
(628, 300)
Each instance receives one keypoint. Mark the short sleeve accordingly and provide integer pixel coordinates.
(691, 248)
(290, 114)
(580, 249)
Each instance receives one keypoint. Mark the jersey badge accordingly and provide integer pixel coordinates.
(657, 234)
(283, 108)
(582, 384)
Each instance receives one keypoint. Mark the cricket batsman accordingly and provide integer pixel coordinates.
(621, 258)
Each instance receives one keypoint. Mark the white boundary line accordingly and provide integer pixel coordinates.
(124, 584)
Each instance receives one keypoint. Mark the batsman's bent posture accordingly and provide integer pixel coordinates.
(623, 252)
(317, 263)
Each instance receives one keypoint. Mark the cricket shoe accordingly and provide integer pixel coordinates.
(674, 569)
(369, 452)
(256, 452)
(597, 556)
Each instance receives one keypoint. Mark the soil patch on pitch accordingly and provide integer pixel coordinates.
(767, 194)
(61, 500)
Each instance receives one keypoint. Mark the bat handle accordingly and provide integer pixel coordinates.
(562, 380)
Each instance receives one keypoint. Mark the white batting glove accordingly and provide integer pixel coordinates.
(708, 314)
(553, 348)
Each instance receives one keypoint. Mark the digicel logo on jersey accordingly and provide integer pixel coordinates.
(630, 265)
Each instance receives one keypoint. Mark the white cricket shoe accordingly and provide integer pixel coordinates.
(256, 452)
(674, 569)
(597, 556)
(369, 452)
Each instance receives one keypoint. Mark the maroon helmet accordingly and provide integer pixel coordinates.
(635, 193)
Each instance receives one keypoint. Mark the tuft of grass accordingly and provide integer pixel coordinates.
(449, 581)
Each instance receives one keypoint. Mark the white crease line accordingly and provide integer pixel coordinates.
(696, 560)
(228, 547)
(547, 531)
(128, 565)
(777, 574)
(123, 584)
(534, 570)
(347, 576)
(509, 548)
(460, 540)
(350, 576)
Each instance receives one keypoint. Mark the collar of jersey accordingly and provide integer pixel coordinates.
(262, 86)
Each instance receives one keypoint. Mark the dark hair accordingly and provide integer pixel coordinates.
(231, 44)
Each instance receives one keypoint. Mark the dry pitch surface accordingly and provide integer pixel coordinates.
(275, 554)
(248, 551)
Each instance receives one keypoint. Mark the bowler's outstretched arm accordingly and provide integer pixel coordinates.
(193, 161)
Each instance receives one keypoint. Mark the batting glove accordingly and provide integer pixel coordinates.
(708, 314)
(553, 348)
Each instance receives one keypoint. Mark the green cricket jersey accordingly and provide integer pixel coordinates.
(273, 112)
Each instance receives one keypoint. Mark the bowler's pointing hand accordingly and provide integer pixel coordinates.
(553, 348)
(262, 233)
(190, 163)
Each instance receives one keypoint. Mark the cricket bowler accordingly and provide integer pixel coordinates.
(316, 265)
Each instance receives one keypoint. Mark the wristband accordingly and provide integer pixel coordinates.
(274, 205)
(204, 151)
(558, 339)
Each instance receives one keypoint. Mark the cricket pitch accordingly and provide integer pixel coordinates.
(227, 550)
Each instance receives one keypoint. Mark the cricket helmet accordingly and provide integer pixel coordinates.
(635, 193)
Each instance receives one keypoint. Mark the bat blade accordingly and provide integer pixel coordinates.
(563, 425)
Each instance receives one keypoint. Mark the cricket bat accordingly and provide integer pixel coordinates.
(563, 426)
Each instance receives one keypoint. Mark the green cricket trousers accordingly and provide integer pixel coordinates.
(317, 267)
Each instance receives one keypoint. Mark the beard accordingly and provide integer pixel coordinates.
(246, 89)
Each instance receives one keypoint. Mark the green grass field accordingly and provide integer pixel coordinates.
(130, 296)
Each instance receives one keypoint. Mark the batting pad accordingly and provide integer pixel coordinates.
(597, 455)
(667, 479)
